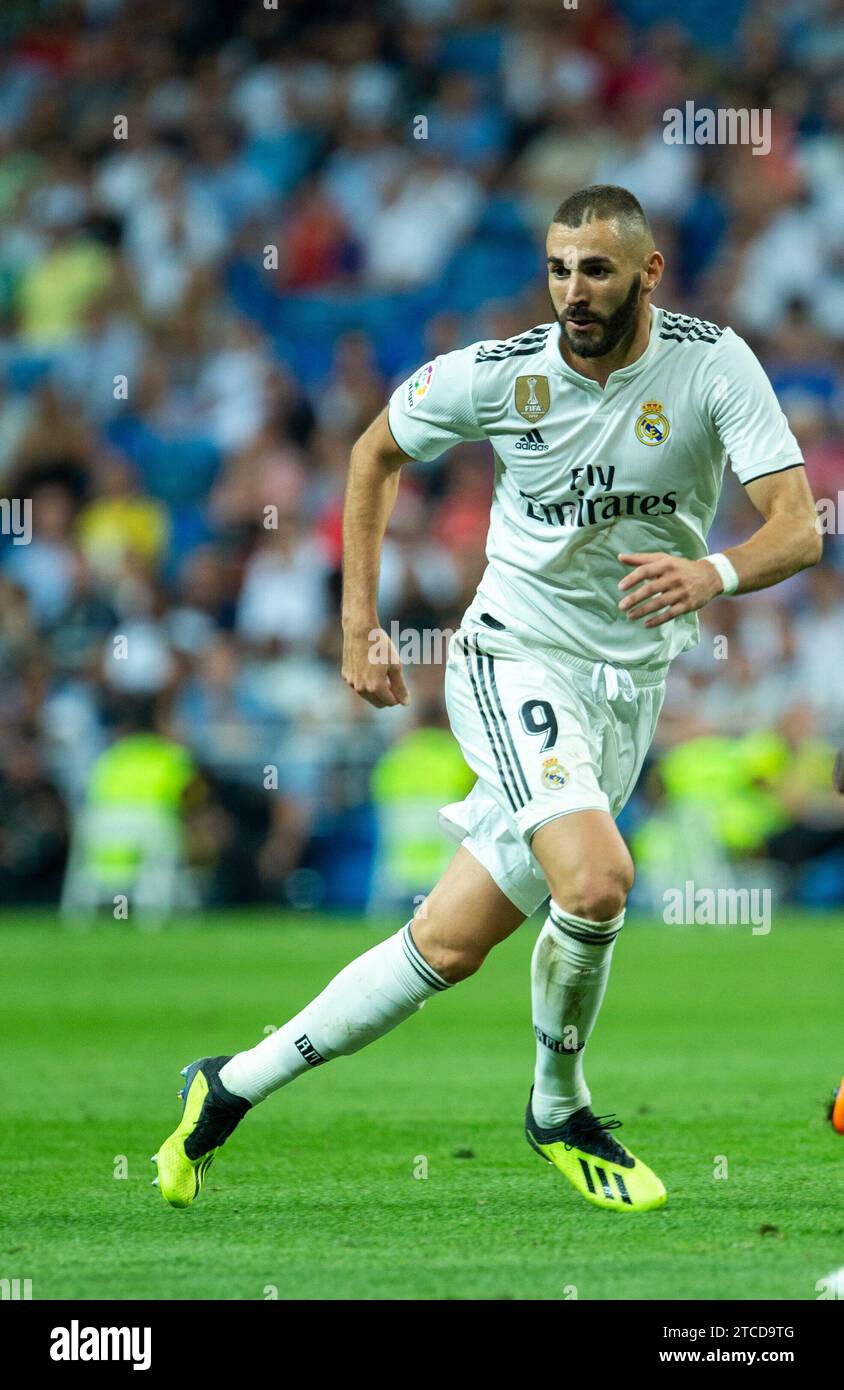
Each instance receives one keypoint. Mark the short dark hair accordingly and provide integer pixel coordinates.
(600, 202)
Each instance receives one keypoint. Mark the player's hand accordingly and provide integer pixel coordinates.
(371, 666)
(667, 582)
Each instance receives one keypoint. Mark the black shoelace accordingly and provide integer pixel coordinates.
(595, 1127)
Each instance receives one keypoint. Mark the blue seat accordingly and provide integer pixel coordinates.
(283, 160)
(708, 24)
(473, 50)
(26, 372)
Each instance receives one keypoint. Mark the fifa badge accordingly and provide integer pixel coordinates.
(533, 397)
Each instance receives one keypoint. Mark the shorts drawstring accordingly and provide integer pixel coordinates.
(617, 681)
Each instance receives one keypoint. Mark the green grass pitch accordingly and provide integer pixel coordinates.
(712, 1044)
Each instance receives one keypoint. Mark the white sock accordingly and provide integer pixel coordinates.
(370, 996)
(569, 971)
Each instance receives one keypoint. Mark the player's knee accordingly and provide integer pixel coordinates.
(451, 962)
(597, 894)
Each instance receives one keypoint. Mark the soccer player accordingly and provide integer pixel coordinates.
(611, 426)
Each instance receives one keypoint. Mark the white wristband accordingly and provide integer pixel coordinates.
(726, 571)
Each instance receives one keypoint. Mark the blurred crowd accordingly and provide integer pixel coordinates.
(226, 232)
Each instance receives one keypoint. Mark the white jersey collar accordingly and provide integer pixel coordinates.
(558, 364)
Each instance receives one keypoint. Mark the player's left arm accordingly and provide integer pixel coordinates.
(787, 542)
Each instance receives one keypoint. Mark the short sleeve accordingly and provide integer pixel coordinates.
(434, 409)
(746, 413)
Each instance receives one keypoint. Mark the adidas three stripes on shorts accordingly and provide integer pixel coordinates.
(546, 733)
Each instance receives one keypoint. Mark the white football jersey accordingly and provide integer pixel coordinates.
(583, 473)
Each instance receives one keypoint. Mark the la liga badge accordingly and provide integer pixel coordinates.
(417, 386)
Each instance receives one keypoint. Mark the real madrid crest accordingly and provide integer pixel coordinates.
(533, 398)
(652, 426)
(553, 774)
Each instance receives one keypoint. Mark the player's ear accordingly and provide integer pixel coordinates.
(652, 271)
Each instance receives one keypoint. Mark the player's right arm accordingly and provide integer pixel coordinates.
(430, 411)
(371, 665)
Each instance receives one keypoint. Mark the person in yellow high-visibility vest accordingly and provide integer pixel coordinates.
(418, 773)
(139, 791)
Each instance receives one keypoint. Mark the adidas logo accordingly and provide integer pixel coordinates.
(601, 1175)
(532, 443)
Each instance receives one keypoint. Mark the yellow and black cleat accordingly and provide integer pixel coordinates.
(835, 1113)
(209, 1115)
(602, 1170)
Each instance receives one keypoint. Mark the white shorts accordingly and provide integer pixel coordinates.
(547, 734)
